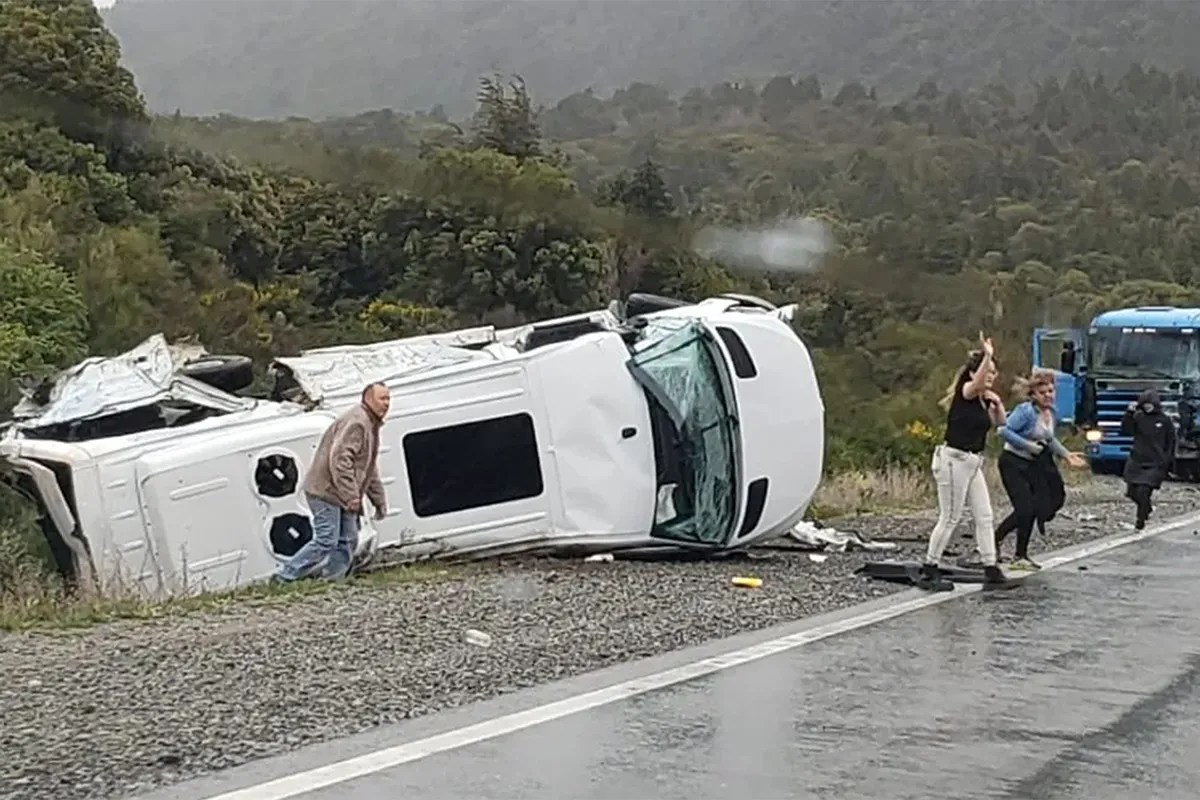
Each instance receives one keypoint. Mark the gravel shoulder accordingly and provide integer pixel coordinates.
(128, 706)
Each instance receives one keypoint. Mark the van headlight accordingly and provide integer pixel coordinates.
(1093, 435)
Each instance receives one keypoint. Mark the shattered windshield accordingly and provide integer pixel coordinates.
(678, 367)
(1149, 353)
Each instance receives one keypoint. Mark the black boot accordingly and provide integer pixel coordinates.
(992, 574)
(933, 580)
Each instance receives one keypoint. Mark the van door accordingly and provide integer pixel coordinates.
(223, 507)
(603, 439)
(680, 368)
(474, 460)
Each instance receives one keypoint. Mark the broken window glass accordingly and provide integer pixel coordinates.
(677, 364)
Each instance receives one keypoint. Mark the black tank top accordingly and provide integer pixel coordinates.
(967, 423)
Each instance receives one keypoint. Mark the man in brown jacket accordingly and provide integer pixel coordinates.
(343, 469)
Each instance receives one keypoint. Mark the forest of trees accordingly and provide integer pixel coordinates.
(994, 208)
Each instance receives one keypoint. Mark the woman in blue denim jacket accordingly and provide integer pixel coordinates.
(1027, 465)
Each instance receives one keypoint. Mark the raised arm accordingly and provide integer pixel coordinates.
(976, 386)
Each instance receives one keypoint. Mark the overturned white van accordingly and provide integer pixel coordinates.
(660, 424)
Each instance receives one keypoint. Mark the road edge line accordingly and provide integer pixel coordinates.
(290, 786)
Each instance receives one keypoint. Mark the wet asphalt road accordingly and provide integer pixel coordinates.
(1079, 684)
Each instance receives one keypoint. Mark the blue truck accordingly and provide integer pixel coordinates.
(1101, 370)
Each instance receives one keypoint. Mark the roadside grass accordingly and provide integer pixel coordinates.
(881, 491)
(31, 597)
(902, 489)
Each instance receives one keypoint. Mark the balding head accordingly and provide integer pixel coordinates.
(377, 399)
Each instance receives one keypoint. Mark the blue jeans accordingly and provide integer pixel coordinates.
(334, 539)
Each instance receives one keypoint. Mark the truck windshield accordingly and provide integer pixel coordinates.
(1121, 352)
(678, 365)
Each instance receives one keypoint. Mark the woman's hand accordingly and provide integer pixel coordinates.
(1076, 460)
(986, 344)
(995, 407)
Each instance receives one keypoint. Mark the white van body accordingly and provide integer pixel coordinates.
(494, 444)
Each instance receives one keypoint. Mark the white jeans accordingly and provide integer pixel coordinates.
(960, 481)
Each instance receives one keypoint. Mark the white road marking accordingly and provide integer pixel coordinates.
(368, 763)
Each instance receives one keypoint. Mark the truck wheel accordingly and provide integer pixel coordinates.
(228, 373)
(1187, 471)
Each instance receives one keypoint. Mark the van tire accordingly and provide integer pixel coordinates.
(228, 373)
(750, 300)
(640, 303)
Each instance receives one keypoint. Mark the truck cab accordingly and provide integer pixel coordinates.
(1101, 370)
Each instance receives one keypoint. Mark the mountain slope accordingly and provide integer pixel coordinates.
(275, 58)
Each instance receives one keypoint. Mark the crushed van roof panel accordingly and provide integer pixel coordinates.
(100, 386)
(338, 370)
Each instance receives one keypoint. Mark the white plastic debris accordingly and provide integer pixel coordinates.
(819, 558)
(600, 557)
(478, 638)
(830, 539)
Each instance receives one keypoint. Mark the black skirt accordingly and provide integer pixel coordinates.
(1043, 478)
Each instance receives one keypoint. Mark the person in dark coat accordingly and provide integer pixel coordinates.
(1153, 451)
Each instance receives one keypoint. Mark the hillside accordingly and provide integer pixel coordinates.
(998, 207)
(317, 58)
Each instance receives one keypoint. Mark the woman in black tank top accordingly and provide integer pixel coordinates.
(968, 421)
(972, 410)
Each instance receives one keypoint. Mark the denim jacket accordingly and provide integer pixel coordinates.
(1017, 433)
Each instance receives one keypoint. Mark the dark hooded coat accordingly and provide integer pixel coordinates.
(1153, 433)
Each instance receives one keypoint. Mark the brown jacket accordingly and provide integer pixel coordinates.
(344, 466)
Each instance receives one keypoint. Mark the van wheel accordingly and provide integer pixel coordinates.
(641, 303)
(228, 373)
(750, 300)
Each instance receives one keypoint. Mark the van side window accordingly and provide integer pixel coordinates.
(743, 364)
(472, 465)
